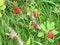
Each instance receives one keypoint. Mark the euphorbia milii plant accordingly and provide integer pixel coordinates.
(49, 28)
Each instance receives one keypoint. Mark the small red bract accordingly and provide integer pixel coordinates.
(35, 24)
(16, 10)
(50, 34)
(36, 14)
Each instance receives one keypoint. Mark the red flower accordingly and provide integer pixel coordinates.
(35, 24)
(50, 34)
(16, 10)
(35, 13)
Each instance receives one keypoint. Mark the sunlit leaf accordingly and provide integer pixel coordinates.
(53, 25)
(48, 25)
(30, 23)
(55, 32)
(40, 34)
(2, 7)
(43, 27)
(28, 42)
(1, 2)
(0, 15)
(50, 40)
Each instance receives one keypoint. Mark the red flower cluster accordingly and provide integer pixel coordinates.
(36, 14)
(50, 34)
(16, 9)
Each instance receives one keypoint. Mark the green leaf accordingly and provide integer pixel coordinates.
(29, 11)
(33, 17)
(40, 34)
(55, 32)
(48, 25)
(0, 15)
(28, 42)
(50, 40)
(32, 8)
(43, 27)
(56, 0)
(2, 7)
(22, 17)
(1, 2)
(56, 10)
(30, 23)
(0, 40)
(34, 30)
(37, 42)
(15, 3)
(50, 2)
(52, 25)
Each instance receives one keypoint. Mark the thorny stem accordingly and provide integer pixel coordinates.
(14, 34)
